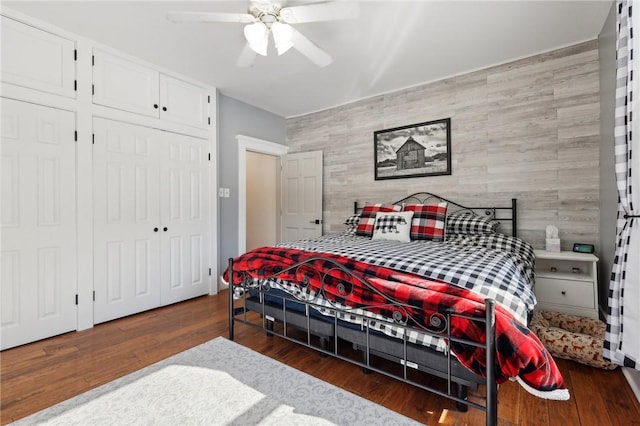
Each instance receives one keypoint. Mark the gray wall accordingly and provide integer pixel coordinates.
(238, 118)
(527, 129)
(608, 190)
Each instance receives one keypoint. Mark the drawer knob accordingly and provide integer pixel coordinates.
(564, 293)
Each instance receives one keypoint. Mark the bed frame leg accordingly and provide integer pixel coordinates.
(231, 310)
(365, 370)
(462, 392)
(492, 386)
(269, 328)
(324, 342)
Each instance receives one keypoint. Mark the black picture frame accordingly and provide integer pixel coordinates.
(416, 150)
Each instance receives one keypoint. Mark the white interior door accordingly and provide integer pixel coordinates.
(301, 195)
(184, 179)
(38, 223)
(126, 219)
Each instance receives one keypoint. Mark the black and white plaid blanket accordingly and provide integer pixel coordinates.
(496, 266)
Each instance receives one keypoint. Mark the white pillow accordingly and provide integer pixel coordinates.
(395, 226)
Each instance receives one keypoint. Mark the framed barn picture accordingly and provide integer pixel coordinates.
(422, 149)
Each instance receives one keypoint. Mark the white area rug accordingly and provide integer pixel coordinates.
(217, 383)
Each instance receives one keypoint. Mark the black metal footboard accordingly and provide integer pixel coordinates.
(323, 333)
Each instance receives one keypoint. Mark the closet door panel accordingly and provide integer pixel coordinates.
(183, 102)
(37, 59)
(122, 84)
(39, 280)
(185, 211)
(126, 219)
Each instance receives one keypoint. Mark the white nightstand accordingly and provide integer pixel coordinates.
(567, 282)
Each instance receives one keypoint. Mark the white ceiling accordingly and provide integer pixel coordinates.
(390, 46)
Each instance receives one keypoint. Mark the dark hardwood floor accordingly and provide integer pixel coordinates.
(41, 374)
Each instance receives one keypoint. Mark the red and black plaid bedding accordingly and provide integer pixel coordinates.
(496, 266)
(519, 352)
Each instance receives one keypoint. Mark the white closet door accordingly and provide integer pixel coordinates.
(125, 85)
(183, 102)
(37, 59)
(185, 216)
(39, 281)
(126, 219)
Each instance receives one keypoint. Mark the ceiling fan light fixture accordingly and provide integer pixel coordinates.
(278, 17)
(257, 35)
(282, 36)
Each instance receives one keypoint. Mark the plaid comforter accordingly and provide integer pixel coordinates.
(493, 265)
(519, 352)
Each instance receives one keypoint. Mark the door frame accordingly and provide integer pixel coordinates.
(247, 143)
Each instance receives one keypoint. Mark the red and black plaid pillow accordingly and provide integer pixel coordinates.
(428, 221)
(368, 217)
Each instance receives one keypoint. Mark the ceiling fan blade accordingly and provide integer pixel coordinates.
(305, 46)
(179, 16)
(329, 11)
(247, 57)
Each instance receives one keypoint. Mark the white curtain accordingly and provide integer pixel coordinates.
(622, 340)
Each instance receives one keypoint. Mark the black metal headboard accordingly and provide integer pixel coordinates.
(500, 214)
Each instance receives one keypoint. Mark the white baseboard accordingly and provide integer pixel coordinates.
(633, 377)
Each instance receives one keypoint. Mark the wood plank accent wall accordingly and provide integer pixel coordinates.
(528, 129)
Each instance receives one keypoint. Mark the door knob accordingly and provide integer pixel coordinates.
(155, 106)
(164, 108)
(316, 222)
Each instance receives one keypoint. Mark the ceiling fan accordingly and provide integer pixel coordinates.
(273, 17)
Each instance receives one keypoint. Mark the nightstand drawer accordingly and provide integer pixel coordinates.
(565, 292)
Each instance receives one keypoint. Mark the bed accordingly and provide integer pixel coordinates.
(423, 282)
